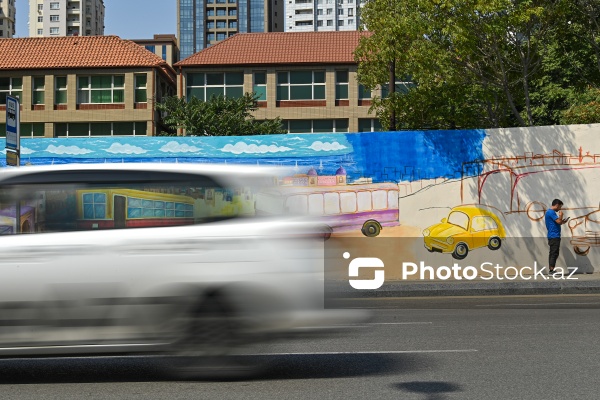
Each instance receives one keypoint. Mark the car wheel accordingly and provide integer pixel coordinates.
(582, 251)
(209, 344)
(494, 243)
(460, 251)
(371, 228)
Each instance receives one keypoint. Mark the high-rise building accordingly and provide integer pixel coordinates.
(7, 18)
(66, 18)
(322, 15)
(201, 23)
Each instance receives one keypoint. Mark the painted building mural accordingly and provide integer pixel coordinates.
(458, 194)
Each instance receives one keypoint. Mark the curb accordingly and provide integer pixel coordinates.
(339, 290)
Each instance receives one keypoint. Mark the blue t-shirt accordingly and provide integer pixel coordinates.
(553, 227)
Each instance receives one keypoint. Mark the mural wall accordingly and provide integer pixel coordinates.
(459, 194)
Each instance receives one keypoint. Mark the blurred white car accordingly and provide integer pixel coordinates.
(131, 258)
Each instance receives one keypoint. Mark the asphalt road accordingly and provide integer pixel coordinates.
(499, 351)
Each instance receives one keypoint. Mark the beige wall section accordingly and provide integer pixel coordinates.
(49, 116)
(352, 112)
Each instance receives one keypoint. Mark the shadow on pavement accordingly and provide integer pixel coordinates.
(431, 389)
(147, 369)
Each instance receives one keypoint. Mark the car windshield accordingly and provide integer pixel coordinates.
(459, 219)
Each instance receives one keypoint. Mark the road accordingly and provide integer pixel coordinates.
(499, 351)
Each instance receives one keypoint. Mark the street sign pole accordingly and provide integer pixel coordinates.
(13, 132)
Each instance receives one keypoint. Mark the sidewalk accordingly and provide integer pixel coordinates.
(576, 284)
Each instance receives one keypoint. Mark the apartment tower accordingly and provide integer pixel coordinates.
(7, 18)
(66, 18)
(201, 23)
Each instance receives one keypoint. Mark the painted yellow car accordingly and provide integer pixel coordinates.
(466, 228)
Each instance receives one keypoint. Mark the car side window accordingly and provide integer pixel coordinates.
(482, 223)
(94, 200)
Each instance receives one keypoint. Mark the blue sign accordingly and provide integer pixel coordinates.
(12, 123)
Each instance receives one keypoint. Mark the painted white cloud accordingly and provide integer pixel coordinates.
(174, 147)
(320, 146)
(245, 148)
(72, 150)
(25, 150)
(118, 148)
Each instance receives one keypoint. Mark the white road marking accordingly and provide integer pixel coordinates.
(335, 353)
(536, 304)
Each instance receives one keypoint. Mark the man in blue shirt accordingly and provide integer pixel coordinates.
(554, 220)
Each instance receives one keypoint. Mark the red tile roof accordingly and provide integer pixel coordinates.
(279, 48)
(76, 52)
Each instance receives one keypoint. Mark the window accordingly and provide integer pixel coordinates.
(38, 90)
(54, 31)
(304, 23)
(341, 85)
(459, 219)
(301, 85)
(369, 125)
(329, 11)
(350, 12)
(150, 47)
(221, 12)
(340, 22)
(116, 200)
(210, 25)
(164, 52)
(350, 22)
(233, 12)
(40, 7)
(210, 13)
(204, 86)
(55, 6)
(221, 24)
(141, 94)
(319, 23)
(40, 31)
(210, 37)
(60, 90)
(363, 93)
(101, 89)
(100, 129)
(329, 22)
(54, 18)
(483, 223)
(402, 86)
(10, 87)
(260, 85)
(316, 125)
(32, 130)
(40, 19)
(320, 11)
(232, 24)
(220, 36)
(340, 11)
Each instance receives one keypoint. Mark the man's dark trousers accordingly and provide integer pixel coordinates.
(554, 244)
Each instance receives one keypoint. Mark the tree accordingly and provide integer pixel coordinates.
(219, 116)
(472, 62)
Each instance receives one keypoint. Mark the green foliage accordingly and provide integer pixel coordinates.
(220, 116)
(482, 63)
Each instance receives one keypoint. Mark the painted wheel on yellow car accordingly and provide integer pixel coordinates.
(582, 251)
(494, 243)
(460, 251)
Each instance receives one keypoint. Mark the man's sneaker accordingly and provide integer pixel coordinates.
(552, 271)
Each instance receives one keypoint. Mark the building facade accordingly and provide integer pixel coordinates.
(83, 86)
(202, 23)
(322, 15)
(66, 18)
(164, 46)
(7, 18)
(307, 79)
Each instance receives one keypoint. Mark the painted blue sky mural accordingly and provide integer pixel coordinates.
(382, 156)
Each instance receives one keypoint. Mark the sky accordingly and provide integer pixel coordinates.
(129, 19)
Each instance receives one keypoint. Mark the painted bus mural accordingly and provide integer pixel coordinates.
(367, 207)
(130, 208)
